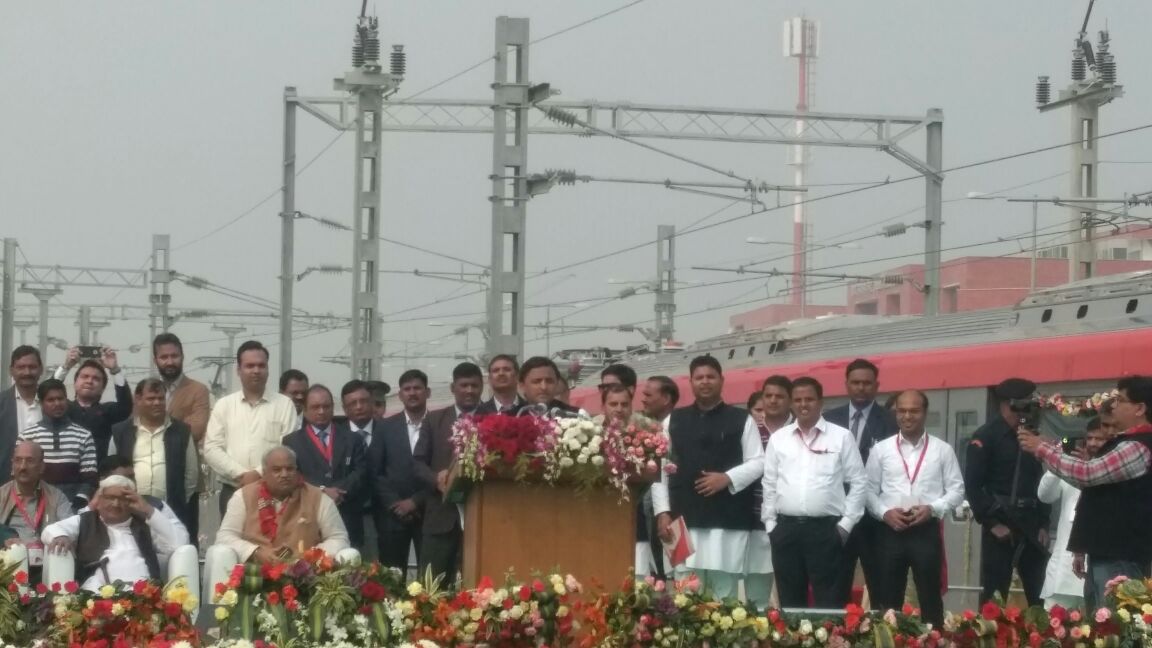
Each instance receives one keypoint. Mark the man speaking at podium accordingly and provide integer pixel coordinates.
(717, 451)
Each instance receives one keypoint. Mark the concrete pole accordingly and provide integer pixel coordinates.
(8, 312)
(1032, 269)
(22, 326)
(287, 231)
(933, 210)
(161, 277)
(665, 282)
(1085, 117)
(509, 187)
(365, 343)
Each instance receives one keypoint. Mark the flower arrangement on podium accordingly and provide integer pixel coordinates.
(547, 449)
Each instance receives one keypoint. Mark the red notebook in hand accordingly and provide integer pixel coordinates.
(679, 547)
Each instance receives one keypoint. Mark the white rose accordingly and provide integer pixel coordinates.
(805, 627)
(582, 459)
(566, 462)
(597, 460)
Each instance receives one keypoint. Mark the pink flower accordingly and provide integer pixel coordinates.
(669, 468)
(1059, 632)
(1076, 633)
(1074, 616)
(659, 586)
(1054, 622)
(1103, 614)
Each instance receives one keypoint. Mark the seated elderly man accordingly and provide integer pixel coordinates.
(300, 517)
(27, 504)
(122, 539)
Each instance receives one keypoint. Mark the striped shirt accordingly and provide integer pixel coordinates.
(69, 455)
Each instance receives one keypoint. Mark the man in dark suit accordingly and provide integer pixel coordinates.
(359, 404)
(19, 407)
(869, 423)
(401, 494)
(86, 410)
(331, 457)
(503, 372)
(443, 536)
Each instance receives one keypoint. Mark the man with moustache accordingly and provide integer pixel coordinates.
(19, 404)
(502, 374)
(806, 511)
(659, 398)
(384, 456)
(404, 495)
(28, 504)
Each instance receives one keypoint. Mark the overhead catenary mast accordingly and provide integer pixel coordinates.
(801, 42)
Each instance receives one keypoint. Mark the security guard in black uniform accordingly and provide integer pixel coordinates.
(1001, 483)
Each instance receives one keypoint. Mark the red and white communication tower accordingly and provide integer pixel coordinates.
(801, 42)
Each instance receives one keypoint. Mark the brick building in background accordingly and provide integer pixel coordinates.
(967, 283)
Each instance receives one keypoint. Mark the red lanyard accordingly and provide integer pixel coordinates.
(919, 462)
(809, 445)
(326, 451)
(40, 503)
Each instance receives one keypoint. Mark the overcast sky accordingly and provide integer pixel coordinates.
(124, 119)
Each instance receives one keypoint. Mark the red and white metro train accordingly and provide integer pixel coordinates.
(1075, 339)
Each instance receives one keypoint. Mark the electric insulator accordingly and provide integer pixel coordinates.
(357, 53)
(372, 48)
(399, 60)
(894, 230)
(1107, 68)
(1079, 65)
(1043, 91)
(560, 116)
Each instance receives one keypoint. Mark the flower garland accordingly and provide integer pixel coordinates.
(266, 512)
(1085, 407)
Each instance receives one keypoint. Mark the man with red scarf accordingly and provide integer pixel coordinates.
(275, 519)
(1114, 518)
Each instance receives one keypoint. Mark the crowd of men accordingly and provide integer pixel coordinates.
(779, 492)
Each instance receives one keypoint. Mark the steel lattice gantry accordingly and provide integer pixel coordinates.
(886, 133)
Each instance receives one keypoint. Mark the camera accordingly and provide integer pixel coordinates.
(1028, 411)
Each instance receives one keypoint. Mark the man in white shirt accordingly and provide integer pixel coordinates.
(914, 480)
(718, 455)
(246, 424)
(806, 511)
(775, 403)
(123, 539)
(19, 405)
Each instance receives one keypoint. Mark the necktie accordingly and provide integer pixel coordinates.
(323, 436)
(856, 424)
(367, 437)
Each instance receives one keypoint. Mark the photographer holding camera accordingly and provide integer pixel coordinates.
(1114, 517)
(1001, 483)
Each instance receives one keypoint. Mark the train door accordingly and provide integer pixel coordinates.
(964, 411)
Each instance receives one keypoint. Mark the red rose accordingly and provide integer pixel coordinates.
(22, 577)
(273, 598)
(173, 610)
(1058, 612)
(71, 587)
(41, 588)
(907, 609)
(292, 606)
(139, 587)
(537, 586)
(990, 611)
(525, 593)
(290, 592)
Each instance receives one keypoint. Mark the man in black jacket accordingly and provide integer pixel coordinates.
(1001, 485)
(332, 457)
(91, 379)
(161, 449)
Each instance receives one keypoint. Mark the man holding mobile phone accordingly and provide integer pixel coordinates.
(95, 364)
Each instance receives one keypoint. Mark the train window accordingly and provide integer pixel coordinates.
(1046, 315)
(965, 426)
(731, 353)
(772, 348)
(1131, 307)
(751, 351)
(1082, 311)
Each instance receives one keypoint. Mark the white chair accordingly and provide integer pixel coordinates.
(220, 559)
(184, 563)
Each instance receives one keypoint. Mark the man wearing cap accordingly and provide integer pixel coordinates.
(1001, 482)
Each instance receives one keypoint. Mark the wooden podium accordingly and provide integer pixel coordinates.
(529, 528)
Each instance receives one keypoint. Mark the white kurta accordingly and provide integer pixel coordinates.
(1059, 578)
(720, 549)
